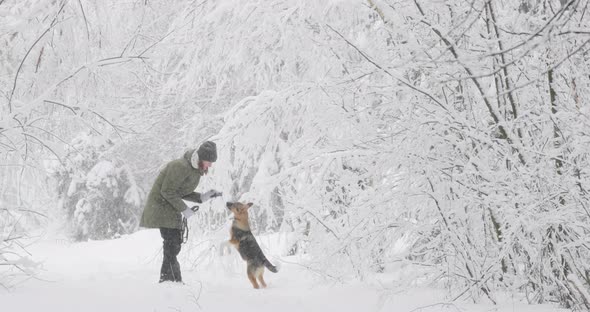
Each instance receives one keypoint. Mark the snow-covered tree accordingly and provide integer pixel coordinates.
(100, 197)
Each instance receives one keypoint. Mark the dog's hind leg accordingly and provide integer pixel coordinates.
(251, 270)
(260, 272)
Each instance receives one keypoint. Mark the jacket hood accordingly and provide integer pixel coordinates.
(188, 154)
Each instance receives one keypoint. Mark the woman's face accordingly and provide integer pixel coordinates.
(206, 164)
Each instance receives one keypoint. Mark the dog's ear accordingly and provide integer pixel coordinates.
(229, 204)
(250, 205)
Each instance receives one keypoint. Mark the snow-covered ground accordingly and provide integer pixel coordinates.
(121, 275)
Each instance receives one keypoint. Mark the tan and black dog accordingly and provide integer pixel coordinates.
(244, 241)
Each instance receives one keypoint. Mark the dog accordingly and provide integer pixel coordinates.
(242, 238)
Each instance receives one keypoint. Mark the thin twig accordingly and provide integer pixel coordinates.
(45, 145)
(34, 212)
(72, 109)
(365, 56)
(26, 139)
(53, 135)
(546, 71)
(107, 121)
(53, 23)
(85, 20)
(323, 224)
(443, 304)
(537, 33)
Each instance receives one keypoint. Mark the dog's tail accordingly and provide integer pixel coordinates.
(270, 267)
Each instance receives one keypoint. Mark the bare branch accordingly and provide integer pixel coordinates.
(85, 19)
(365, 56)
(323, 224)
(72, 109)
(53, 23)
(107, 121)
(45, 145)
(561, 11)
(503, 133)
(559, 63)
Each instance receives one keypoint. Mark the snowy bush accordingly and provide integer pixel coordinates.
(100, 197)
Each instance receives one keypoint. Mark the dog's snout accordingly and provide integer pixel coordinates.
(228, 205)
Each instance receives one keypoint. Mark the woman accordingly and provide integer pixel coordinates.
(165, 206)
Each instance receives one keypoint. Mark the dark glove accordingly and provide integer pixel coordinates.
(189, 212)
(210, 194)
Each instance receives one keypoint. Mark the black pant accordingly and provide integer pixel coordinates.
(170, 267)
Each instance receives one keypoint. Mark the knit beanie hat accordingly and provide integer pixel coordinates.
(207, 151)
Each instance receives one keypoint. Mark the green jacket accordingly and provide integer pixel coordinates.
(176, 182)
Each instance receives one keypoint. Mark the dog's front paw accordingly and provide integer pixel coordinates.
(224, 248)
